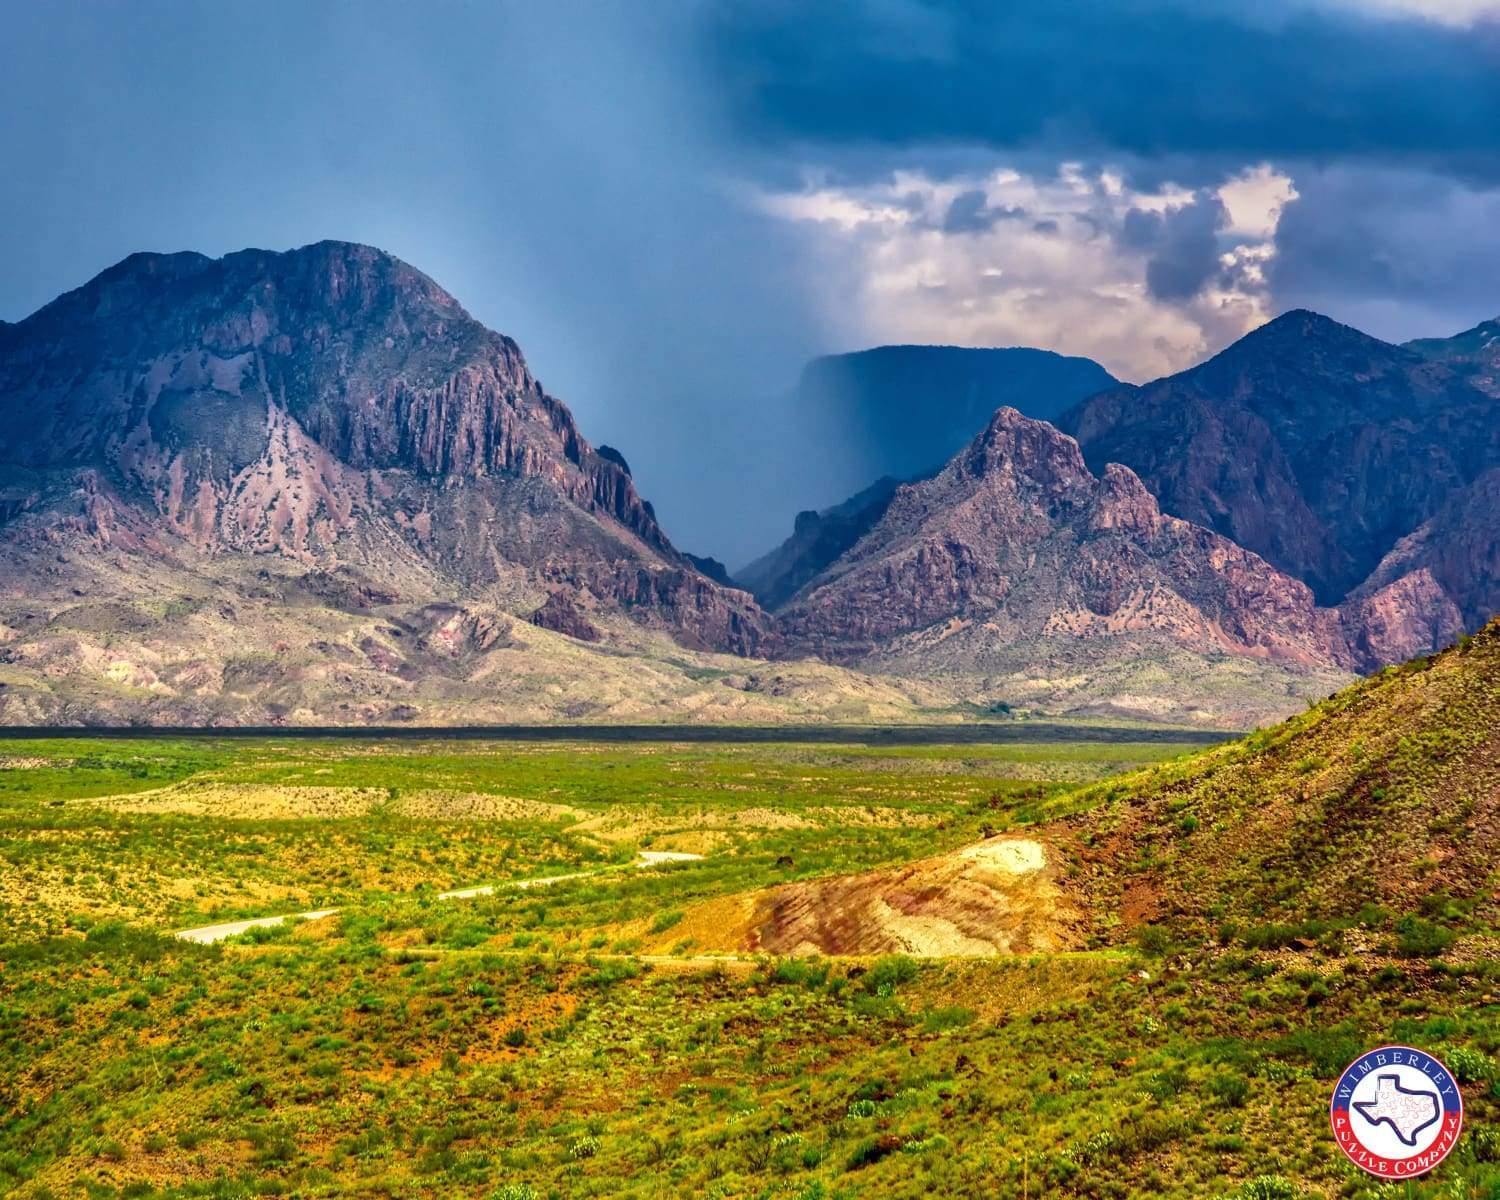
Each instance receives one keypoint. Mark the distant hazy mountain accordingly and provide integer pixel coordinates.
(1321, 449)
(818, 538)
(906, 410)
(898, 413)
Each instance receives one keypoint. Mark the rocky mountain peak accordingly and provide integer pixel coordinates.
(1308, 442)
(904, 411)
(293, 402)
(1301, 352)
(1016, 543)
(1027, 451)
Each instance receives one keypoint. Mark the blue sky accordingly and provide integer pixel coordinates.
(670, 206)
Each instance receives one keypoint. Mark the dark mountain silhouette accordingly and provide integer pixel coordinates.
(818, 538)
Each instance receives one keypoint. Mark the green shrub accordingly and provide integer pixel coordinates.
(872, 1150)
(1417, 937)
(613, 971)
(1266, 1187)
(1328, 1050)
(800, 972)
(938, 1020)
(889, 973)
(584, 1147)
(1469, 1065)
(1229, 1090)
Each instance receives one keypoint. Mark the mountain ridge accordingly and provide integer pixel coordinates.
(320, 440)
(1017, 533)
(310, 401)
(1307, 441)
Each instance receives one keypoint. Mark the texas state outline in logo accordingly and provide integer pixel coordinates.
(1396, 1112)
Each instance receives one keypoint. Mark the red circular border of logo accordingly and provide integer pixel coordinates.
(1388, 1165)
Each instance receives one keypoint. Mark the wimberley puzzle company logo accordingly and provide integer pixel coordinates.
(1396, 1112)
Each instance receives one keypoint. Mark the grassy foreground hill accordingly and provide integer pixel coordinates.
(1378, 807)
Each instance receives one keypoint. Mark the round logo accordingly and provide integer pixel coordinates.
(1396, 1112)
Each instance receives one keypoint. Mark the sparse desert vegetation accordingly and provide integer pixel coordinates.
(611, 1035)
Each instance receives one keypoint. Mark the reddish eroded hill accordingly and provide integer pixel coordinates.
(998, 896)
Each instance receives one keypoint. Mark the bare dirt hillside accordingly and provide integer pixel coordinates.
(999, 896)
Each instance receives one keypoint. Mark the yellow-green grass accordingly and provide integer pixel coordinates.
(517, 1044)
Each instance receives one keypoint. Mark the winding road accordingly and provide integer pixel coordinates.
(206, 934)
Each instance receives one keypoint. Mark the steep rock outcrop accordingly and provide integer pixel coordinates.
(561, 615)
(1018, 534)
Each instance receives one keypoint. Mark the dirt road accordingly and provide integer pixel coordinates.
(205, 934)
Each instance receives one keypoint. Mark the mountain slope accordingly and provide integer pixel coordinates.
(1385, 795)
(1475, 351)
(1310, 443)
(818, 538)
(333, 407)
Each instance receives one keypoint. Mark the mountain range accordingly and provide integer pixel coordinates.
(309, 487)
(1314, 445)
(1360, 477)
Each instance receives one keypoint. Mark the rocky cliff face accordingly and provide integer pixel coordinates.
(1018, 536)
(818, 538)
(1453, 558)
(330, 405)
(1306, 441)
(1475, 353)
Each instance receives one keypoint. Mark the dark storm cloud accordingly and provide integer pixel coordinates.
(1397, 253)
(1150, 79)
(970, 212)
(1182, 243)
(583, 175)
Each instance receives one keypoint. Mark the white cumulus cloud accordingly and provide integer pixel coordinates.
(1444, 12)
(1145, 281)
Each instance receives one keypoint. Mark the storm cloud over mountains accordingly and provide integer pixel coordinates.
(674, 207)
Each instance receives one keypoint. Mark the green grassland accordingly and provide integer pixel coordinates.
(184, 833)
(518, 1045)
